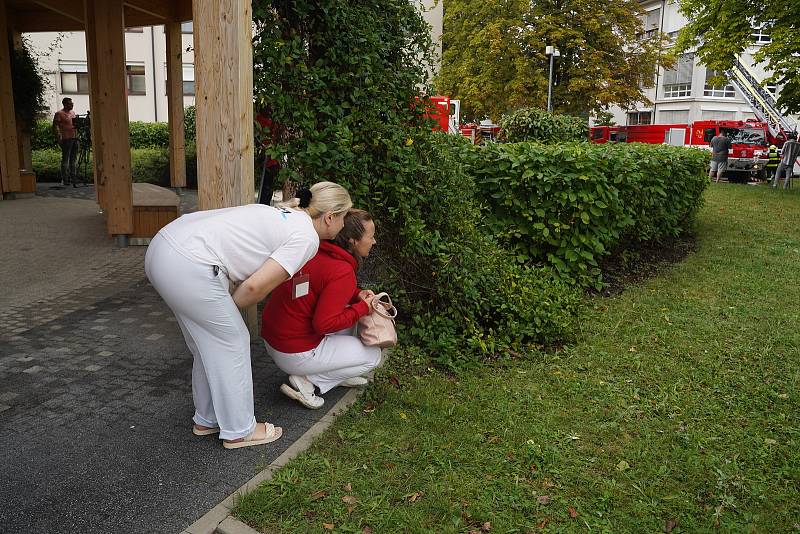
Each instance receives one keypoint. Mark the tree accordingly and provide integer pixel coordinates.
(28, 86)
(722, 29)
(494, 58)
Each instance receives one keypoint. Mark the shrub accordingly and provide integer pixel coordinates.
(466, 295)
(533, 124)
(568, 205)
(147, 165)
(148, 134)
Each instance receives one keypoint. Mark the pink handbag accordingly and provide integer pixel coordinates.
(377, 328)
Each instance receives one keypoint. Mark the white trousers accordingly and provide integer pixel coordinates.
(222, 382)
(337, 357)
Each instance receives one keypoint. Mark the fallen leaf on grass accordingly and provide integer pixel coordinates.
(769, 441)
(414, 497)
(632, 349)
(327, 526)
(394, 381)
(572, 512)
(349, 499)
(623, 465)
(486, 527)
(366, 530)
(319, 494)
(670, 525)
(348, 487)
(543, 524)
(543, 499)
(368, 408)
(403, 415)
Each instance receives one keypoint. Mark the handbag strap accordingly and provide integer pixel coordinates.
(380, 307)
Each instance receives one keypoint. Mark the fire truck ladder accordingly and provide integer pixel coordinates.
(762, 102)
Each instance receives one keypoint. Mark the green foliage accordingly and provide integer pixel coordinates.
(189, 123)
(148, 134)
(494, 58)
(28, 86)
(465, 293)
(569, 205)
(147, 165)
(142, 134)
(532, 124)
(604, 118)
(720, 30)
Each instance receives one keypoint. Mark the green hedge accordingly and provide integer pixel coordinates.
(569, 205)
(142, 134)
(466, 296)
(147, 165)
(533, 124)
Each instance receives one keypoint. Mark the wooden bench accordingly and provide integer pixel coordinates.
(153, 208)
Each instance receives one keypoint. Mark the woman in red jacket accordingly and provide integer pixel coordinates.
(308, 321)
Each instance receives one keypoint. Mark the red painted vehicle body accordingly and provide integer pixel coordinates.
(750, 141)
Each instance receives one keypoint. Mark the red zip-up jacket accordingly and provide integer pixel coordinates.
(332, 303)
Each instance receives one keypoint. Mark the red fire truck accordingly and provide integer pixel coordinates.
(750, 141)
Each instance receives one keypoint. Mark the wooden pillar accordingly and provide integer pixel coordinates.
(91, 59)
(223, 57)
(105, 46)
(23, 137)
(9, 150)
(177, 143)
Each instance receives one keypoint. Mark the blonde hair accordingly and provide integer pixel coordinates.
(325, 197)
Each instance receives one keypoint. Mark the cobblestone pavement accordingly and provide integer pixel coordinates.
(95, 408)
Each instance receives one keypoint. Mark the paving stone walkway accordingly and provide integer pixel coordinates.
(95, 408)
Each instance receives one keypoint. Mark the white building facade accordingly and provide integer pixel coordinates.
(683, 94)
(63, 60)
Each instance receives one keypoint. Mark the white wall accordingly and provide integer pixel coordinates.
(140, 48)
(697, 106)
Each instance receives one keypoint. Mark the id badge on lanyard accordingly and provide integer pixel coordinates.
(300, 285)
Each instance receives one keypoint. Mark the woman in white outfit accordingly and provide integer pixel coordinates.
(307, 335)
(209, 264)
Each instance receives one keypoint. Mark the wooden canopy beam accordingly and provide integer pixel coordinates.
(153, 8)
(64, 9)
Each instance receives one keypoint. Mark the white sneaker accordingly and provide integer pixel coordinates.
(302, 391)
(354, 382)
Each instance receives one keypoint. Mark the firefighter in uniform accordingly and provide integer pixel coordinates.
(772, 162)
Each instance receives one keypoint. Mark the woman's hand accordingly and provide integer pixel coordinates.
(365, 294)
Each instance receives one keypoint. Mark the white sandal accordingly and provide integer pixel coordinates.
(273, 433)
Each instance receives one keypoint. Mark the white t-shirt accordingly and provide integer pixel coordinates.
(240, 239)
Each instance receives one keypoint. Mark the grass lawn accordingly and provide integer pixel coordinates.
(677, 410)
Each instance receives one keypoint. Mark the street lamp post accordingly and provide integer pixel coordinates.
(552, 52)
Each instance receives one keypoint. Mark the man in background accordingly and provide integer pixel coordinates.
(791, 149)
(720, 145)
(64, 128)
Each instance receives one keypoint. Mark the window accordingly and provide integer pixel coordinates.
(135, 29)
(639, 117)
(188, 79)
(651, 22)
(676, 116)
(772, 88)
(761, 36)
(74, 77)
(187, 27)
(678, 81)
(717, 91)
(136, 79)
(716, 115)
